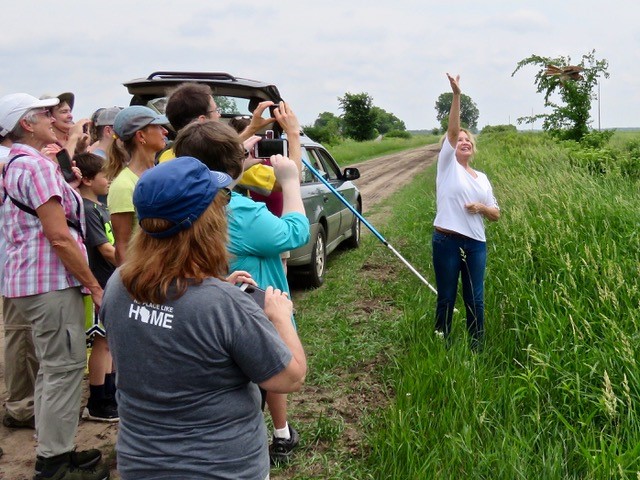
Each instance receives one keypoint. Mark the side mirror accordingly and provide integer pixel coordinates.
(351, 173)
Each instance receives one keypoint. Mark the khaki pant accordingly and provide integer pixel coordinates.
(20, 363)
(57, 319)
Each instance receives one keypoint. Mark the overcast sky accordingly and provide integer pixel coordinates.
(396, 51)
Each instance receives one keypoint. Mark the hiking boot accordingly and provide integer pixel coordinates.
(104, 411)
(10, 422)
(85, 458)
(61, 467)
(280, 449)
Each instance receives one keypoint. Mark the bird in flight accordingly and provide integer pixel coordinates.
(570, 72)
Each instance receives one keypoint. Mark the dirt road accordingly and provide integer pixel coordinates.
(379, 179)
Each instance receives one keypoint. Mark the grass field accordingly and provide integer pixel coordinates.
(555, 393)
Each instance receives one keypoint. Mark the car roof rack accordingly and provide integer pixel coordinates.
(192, 75)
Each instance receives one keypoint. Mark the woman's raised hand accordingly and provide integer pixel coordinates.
(455, 83)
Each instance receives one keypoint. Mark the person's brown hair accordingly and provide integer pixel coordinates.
(186, 103)
(155, 265)
(215, 144)
(89, 164)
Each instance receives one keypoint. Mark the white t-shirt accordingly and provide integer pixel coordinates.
(456, 187)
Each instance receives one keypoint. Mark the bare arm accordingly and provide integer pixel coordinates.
(490, 213)
(54, 225)
(257, 122)
(291, 126)
(122, 231)
(78, 138)
(278, 309)
(288, 177)
(454, 114)
(108, 252)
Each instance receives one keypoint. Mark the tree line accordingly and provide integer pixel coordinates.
(569, 119)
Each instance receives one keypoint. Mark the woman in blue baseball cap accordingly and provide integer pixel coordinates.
(192, 348)
(139, 136)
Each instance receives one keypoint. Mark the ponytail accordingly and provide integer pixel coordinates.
(118, 157)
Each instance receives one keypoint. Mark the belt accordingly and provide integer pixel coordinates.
(449, 233)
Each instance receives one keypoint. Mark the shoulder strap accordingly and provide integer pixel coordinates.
(29, 210)
(4, 172)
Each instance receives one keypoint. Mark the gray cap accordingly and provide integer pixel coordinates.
(107, 116)
(135, 118)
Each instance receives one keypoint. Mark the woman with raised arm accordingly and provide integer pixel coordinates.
(464, 199)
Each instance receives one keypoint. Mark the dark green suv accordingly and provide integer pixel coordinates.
(332, 223)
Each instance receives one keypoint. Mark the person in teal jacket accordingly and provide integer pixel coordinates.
(256, 236)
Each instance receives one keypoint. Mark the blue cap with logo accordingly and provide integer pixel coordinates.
(178, 191)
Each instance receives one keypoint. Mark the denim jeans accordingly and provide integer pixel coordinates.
(454, 256)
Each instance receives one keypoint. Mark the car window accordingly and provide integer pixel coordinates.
(329, 166)
(309, 154)
(229, 106)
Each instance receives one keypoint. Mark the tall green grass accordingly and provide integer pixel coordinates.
(556, 392)
(350, 151)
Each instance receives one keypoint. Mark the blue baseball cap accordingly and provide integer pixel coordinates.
(128, 121)
(178, 191)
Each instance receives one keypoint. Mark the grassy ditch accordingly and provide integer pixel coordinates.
(556, 392)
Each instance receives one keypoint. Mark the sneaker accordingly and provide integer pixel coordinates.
(439, 334)
(10, 422)
(280, 449)
(101, 412)
(61, 467)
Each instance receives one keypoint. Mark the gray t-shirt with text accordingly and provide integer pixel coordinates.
(187, 371)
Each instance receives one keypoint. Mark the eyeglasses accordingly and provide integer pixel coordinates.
(227, 193)
(217, 110)
(46, 112)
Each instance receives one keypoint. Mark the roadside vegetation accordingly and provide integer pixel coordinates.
(347, 152)
(556, 392)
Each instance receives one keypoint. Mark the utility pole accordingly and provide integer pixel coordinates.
(599, 129)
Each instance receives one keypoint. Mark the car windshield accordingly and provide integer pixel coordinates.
(229, 106)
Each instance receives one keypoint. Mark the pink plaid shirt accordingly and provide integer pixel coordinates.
(32, 265)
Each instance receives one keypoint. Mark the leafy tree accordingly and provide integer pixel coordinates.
(326, 128)
(328, 120)
(226, 104)
(386, 122)
(469, 112)
(574, 84)
(358, 118)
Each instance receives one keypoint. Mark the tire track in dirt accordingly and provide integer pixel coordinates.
(383, 176)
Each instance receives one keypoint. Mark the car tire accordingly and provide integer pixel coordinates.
(318, 265)
(356, 230)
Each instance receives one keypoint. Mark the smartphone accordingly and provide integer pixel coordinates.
(256, 293)
(267, 147)
(64, 160)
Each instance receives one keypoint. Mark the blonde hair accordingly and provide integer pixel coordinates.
(472, 139)
(118, 157)
(186, 258)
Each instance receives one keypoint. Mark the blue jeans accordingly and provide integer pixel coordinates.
(455, 255)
